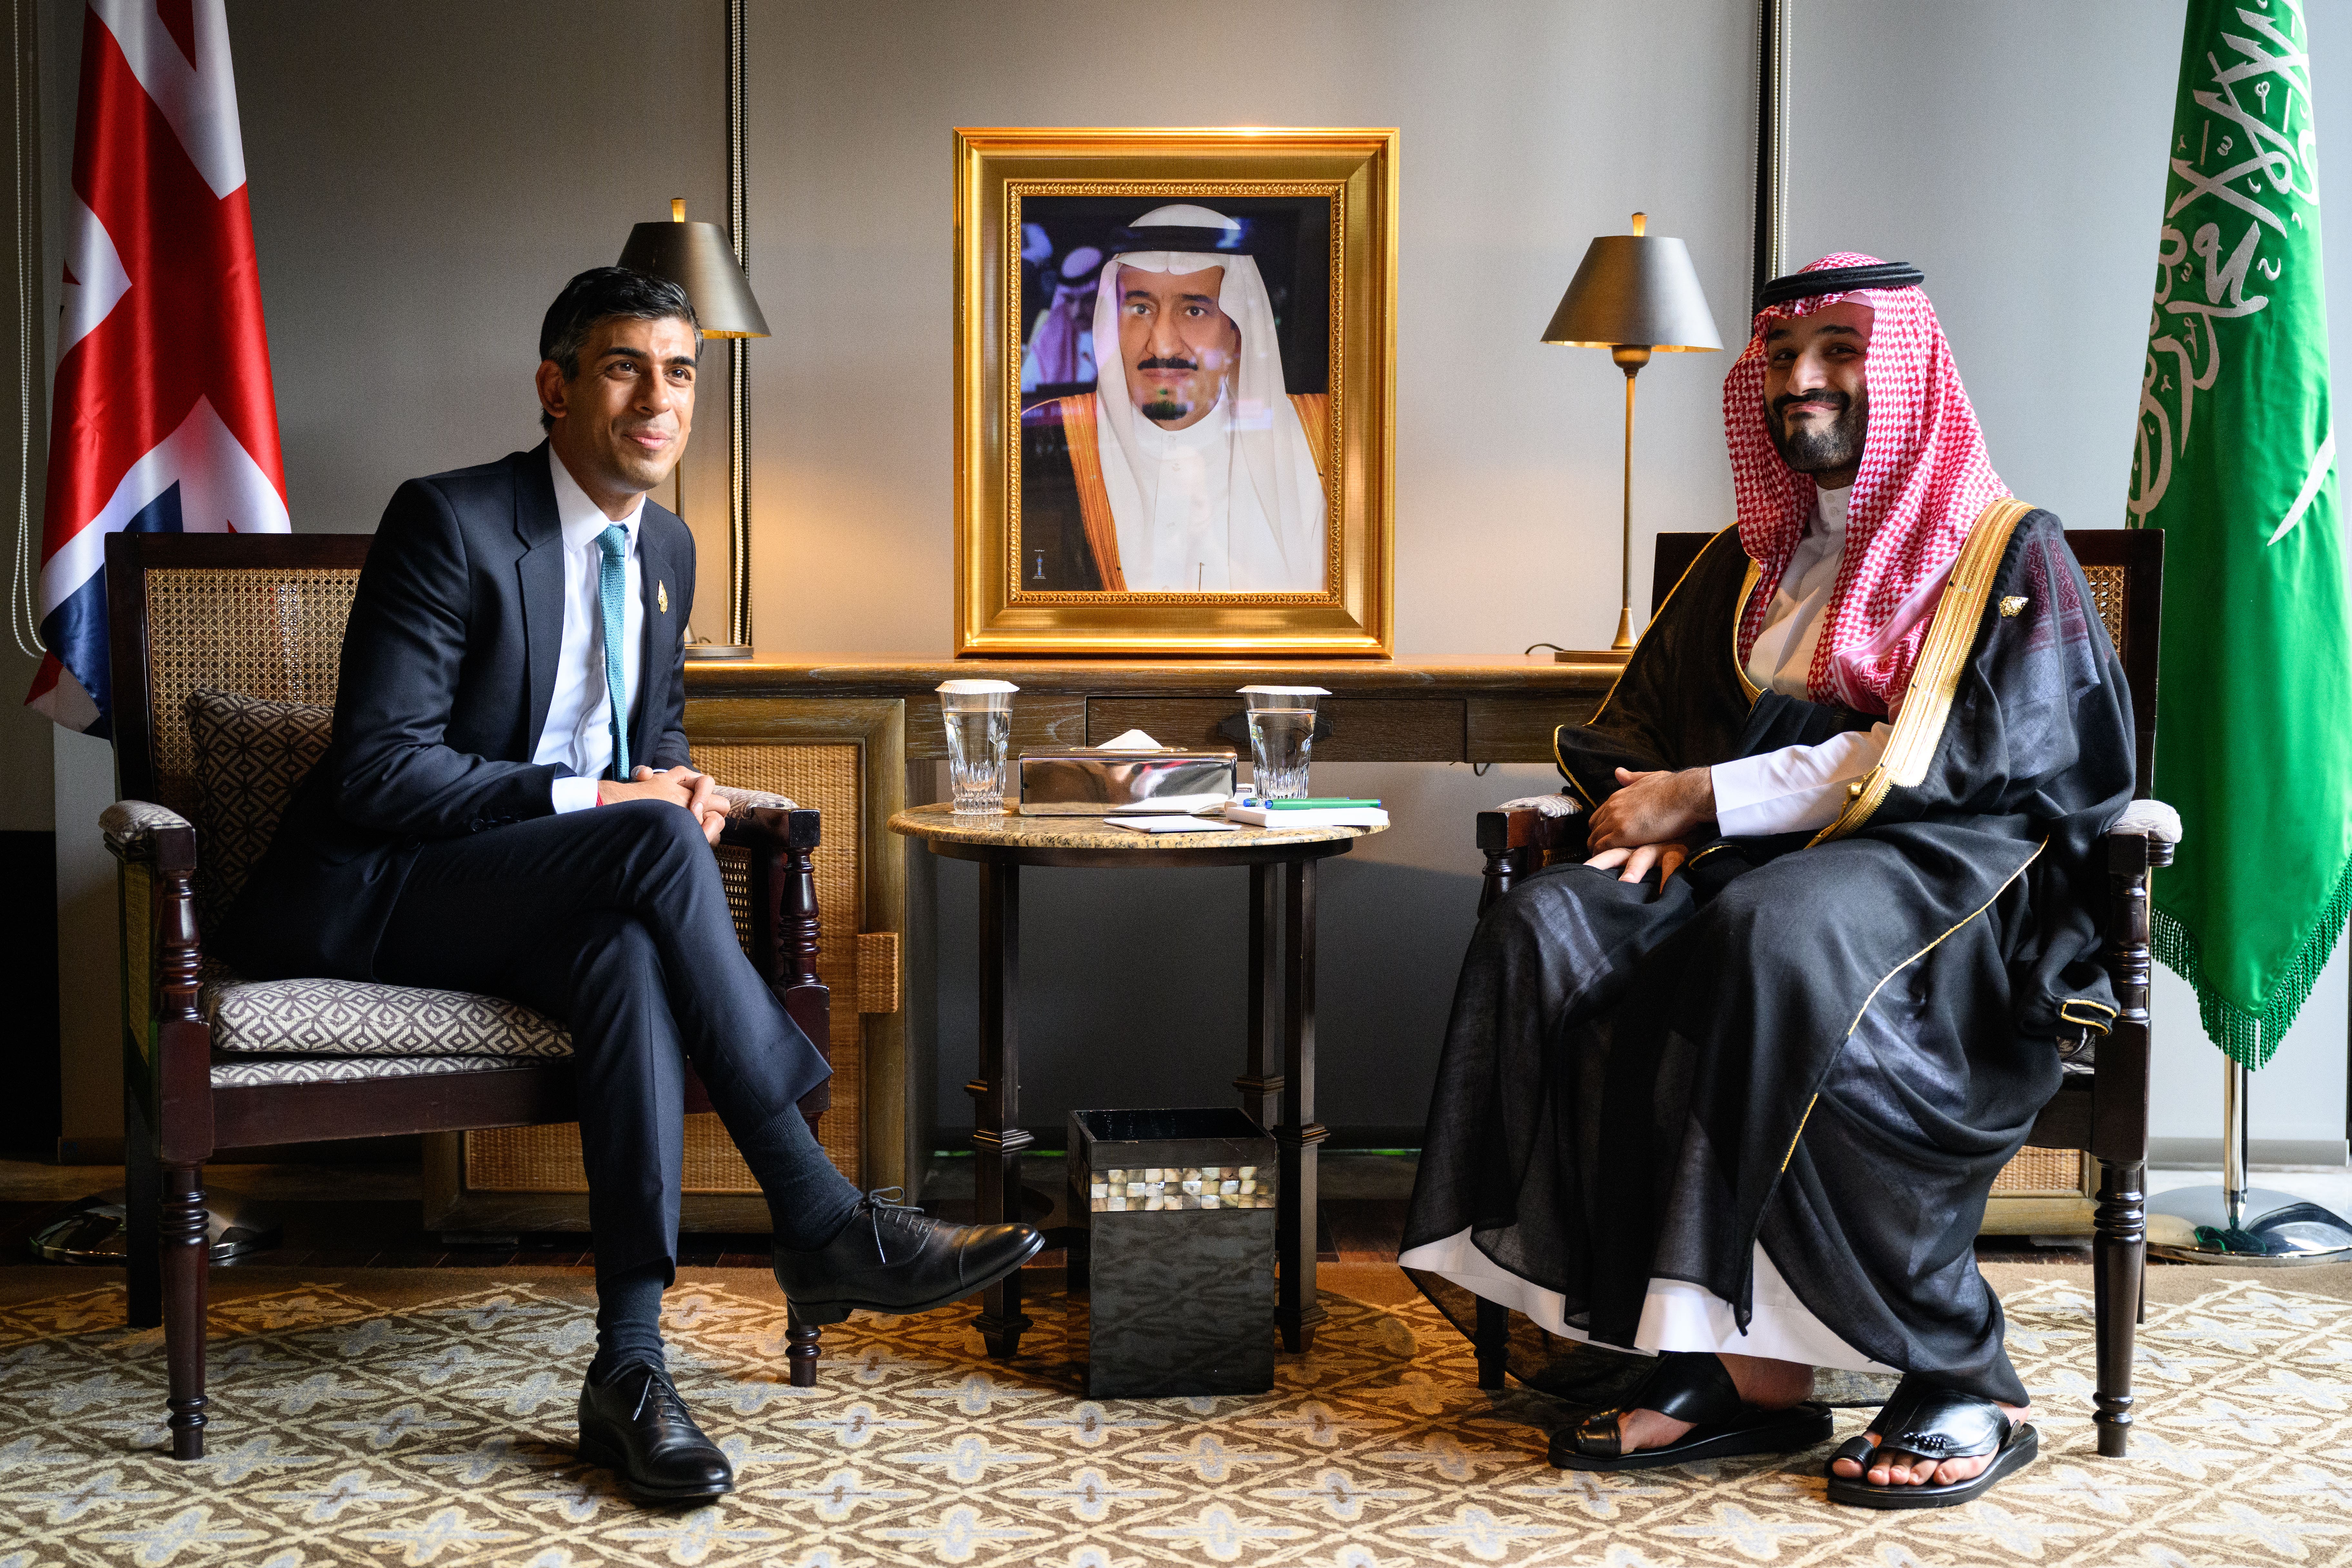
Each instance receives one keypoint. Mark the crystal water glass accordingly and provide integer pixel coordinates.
(1282, 738)
(978, 715)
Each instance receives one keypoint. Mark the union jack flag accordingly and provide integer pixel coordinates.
(164, 419)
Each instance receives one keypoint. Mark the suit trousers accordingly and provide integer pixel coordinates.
(615, 920)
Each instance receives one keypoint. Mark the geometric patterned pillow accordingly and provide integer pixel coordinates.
(250, 756)
(361, 1018)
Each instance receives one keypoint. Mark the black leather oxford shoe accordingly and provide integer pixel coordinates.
(636, 1425)
(891, 1257)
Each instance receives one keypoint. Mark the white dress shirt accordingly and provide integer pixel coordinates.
(579, 729)
(1797, 788)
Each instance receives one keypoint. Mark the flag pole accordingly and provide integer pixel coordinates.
(2236, 1222)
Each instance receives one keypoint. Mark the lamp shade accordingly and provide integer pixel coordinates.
(1635, 289)
(699, 259)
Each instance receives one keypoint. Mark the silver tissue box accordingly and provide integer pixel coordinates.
(1090, 781)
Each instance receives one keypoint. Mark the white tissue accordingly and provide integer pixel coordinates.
(1133, 740)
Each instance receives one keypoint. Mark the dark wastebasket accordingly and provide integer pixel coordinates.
(1179, 1214)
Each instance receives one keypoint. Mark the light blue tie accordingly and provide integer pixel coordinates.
(611, 584)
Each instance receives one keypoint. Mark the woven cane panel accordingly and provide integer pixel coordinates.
(2057, 1171)
(274, 633)
(877, 971)
(826, 779)
(547, 1160)
(2109, 589)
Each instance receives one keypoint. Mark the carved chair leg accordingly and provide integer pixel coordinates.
(1492, 1342)
(802, 1348)
(186, 1263)
(143, 1193)
(2118, 1261)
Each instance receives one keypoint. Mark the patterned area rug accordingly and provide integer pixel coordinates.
(427, 1418)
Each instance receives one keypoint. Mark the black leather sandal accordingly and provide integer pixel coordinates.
(1933, 1423)
(1696, 1387)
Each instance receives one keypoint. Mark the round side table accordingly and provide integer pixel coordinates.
(1281, 864)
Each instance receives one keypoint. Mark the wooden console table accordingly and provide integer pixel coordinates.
(1452, 709)
(1455, 708)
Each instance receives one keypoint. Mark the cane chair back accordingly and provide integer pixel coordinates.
(265, 622)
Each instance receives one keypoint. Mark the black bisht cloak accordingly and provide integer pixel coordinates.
(1833, 1041)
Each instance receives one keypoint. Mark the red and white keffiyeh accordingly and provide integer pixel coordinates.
(1924, 478)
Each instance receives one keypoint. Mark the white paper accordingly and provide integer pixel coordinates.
(1163, 805)
(1167, 824)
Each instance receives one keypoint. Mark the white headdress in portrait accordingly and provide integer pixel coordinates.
(1276, 511)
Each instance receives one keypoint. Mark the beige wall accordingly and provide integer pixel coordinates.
(424, 176)
(1528, 128)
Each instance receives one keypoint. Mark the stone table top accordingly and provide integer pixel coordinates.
(940, 824)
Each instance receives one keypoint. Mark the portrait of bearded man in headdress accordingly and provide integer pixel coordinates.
(1190, 467)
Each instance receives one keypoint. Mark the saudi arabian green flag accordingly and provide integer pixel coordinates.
(2236, 462)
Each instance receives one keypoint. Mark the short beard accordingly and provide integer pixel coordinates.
(1164, 408)
(1817, 448)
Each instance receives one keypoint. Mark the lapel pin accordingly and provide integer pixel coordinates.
(661, 595)
(2010, 605)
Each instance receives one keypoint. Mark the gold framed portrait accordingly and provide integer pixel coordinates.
(1175, 388)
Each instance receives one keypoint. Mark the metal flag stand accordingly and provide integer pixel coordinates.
(2237, 1224)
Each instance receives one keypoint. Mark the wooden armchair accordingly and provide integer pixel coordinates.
(211, 1062)
(2101, 1106)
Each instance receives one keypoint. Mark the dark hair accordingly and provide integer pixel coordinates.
(601, 294)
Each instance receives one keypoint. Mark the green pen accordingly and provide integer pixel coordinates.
(1313, 805)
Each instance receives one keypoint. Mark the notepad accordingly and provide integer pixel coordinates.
(1167, 824)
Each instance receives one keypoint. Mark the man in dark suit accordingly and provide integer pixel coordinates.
(507, 808)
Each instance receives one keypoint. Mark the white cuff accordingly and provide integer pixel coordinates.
(573, 793)
(1795, 788)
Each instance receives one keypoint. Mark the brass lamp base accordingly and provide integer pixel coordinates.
(718, 651)
(2267, 1229)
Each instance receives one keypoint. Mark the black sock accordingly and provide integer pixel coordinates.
(628, 1321)
(808, 1200)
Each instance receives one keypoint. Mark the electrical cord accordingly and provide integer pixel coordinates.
(24, 610)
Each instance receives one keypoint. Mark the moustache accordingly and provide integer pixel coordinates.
(1835, 401)
(1163, 361)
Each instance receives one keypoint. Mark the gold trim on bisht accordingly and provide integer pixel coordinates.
(1738, 617)
(1927, 701)
(1864, 1010)
(2102, 1024)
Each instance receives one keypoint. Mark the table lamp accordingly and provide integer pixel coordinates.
(1634, 295)
(699, 258)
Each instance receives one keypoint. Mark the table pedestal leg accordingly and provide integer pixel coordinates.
(1261, 1091)
(1296, 1311)
(997, 1137)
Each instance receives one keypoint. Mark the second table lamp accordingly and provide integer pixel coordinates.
(1634, 295)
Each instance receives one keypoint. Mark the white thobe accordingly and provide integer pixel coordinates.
(1797, 787)
(1209, 531)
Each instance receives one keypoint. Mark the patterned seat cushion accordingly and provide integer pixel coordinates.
(251, 754)
(347, 1019)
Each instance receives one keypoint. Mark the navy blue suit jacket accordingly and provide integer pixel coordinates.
(448, 669)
